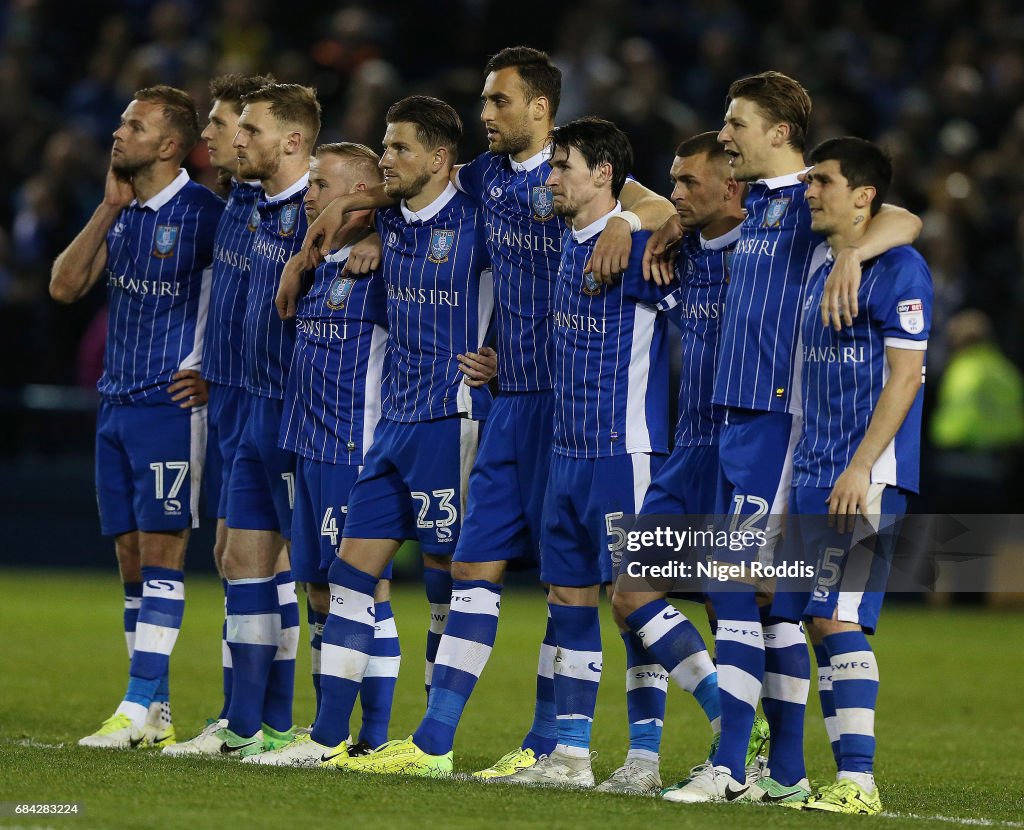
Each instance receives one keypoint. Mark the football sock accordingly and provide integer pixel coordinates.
(646, 690)
(577, 674)
(277, 701)
(461, 656)
(347, 642)
(828, 706)
(378, 689)
(316, 637)
(543, 733)
(132, 604)
(855, 691)
(254, 633)
(787, 679)
(438, 585)
(225, 655)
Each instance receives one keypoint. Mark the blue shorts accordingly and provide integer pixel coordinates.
(755, 452)
(583, 539)
(226, 416)
(686, 484)
(413, 483)
(149, 463)
(261, 490)
(850, 570)
(506, 485)
(321, 505)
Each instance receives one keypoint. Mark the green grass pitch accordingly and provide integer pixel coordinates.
(950, 727)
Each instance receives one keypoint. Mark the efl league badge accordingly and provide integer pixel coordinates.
(254, 218)
(164, 239)
(911, 314)
(542, 202)
(776, 210)
(591, 287)
(289, 216)
(441, 242)
(341, 287)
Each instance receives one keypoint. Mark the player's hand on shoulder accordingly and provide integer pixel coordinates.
(611, 252)
(479, 367)
(117, 192)
(189, 388)
(849, 497)
(322, 230)
(364, 256)
(839, 301)
(661, 250)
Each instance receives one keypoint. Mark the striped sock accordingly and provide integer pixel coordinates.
(277, 702)
(378, 689)
(225, 656)
(855, 690)
(438, 585)
(254, 632)
(577, 674)
(156, 630)
(461, 656)
(543, 734)
(739, 646)
(348, 640)
(787, 680)
(316, 637)
(132, 604)
(674, 643)
(828, 706)
(646, 691)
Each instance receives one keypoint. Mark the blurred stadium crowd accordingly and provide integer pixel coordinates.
(939, 82)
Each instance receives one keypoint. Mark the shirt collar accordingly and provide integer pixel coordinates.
(430, 211)
(533, 162)
(788, 180)
(288, 192)
(340, 255)
(595, 227)
(160, 199)
(719, 242)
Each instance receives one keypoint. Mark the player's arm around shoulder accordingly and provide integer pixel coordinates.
(79, 266)
(643, 209)
(634, 286)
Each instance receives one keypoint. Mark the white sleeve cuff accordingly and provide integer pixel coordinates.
(910, 345)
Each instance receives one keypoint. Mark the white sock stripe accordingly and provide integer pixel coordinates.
(746, 632)
(832, 729)
(428, 672)
(546, 661)
(784, 635)
(854, 665)
(581, 665)
(643, 722)
(438, 617)
(383, 667)
(574, 717)
(163, 589)
(315, 660)
(225, 654)
(346, 663)
(825, 679)
(132, 603)
(786, 688)
(129, 640)
(464, 655)
(689, 673)
(155, 639)
(653, 630)
(254, 629)
(385, 629)
(352, 605)
(740, 684)
(476, 601)
(286, 594)
(856, 721)
(288, 644)
(646, 677)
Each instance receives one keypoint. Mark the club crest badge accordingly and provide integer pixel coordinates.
(542, 202)
(441, 241)
(289, 218)
(341, 288)
(164, 240)
(776, 210)
(254, 218)
(591, 287)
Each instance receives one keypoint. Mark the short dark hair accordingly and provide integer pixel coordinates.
(540, 77)
(179, 110)
(290, 104)
(702, 144)
(437, 124)
(861, 162)
(599, 142)
(780, 99)
(232, 88)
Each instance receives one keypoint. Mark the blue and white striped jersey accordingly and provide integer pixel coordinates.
(159, 257)
(524, 239)
(268, 340)
(440, 303)
(844, 372)
(333, 398)
(697, 307)
(222, 351)
(611, 355)
(768, 279)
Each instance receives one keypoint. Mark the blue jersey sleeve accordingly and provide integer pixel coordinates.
(634, 286)
(470, 178)
(901, 301)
